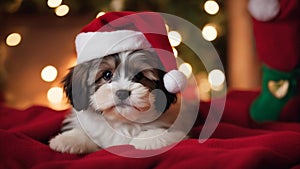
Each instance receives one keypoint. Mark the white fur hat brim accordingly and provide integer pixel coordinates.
(92, 45)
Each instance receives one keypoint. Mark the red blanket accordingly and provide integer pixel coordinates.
(236, 143)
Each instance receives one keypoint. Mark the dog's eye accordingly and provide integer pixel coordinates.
(107, 75)
(139, 76)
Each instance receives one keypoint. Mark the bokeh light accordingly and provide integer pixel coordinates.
(174, 38)
(211, 7)
(100, 14)
(204, 85)
(186, 69)
(54, 3)
(175, 52)
(55, 95)
(62, 10)
(13, 39)
(209, 32)
(167, 27)
(49, 73)
(216, 79)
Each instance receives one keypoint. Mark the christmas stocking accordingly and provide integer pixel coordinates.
(276, 26)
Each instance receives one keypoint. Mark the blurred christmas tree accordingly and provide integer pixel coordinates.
(207, 15)
(191, 10)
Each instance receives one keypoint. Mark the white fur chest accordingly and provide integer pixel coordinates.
(102, 132)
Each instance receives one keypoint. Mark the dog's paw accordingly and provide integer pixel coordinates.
(156, 138)
(73, 142)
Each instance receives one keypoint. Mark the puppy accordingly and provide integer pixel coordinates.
(118, 99)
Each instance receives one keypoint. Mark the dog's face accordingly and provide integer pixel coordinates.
(126, 86)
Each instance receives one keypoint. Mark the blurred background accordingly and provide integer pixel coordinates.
(37, 43)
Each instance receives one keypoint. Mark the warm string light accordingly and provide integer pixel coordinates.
(62, 10)
(49, 73)
(216, 79)
(174, 38)
(204, 86)
(100, 14)
(55, 95)
(210, 81)
(167, 27)
(13, 39)
(209, 32)
(175, 52)
(54, 3)
(186, 69)
(211, 7)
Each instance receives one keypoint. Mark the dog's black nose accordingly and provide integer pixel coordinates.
(123, 94)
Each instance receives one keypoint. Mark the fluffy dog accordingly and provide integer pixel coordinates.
(117, 99)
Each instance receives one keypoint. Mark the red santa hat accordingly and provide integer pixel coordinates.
(116, 32)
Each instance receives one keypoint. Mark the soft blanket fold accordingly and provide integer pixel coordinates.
(236, 143)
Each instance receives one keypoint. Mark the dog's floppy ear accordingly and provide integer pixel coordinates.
(171, 97)
(76, 86)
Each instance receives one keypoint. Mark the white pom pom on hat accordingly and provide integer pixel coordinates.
(264, 10)
(174, 81)
(116, 32)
